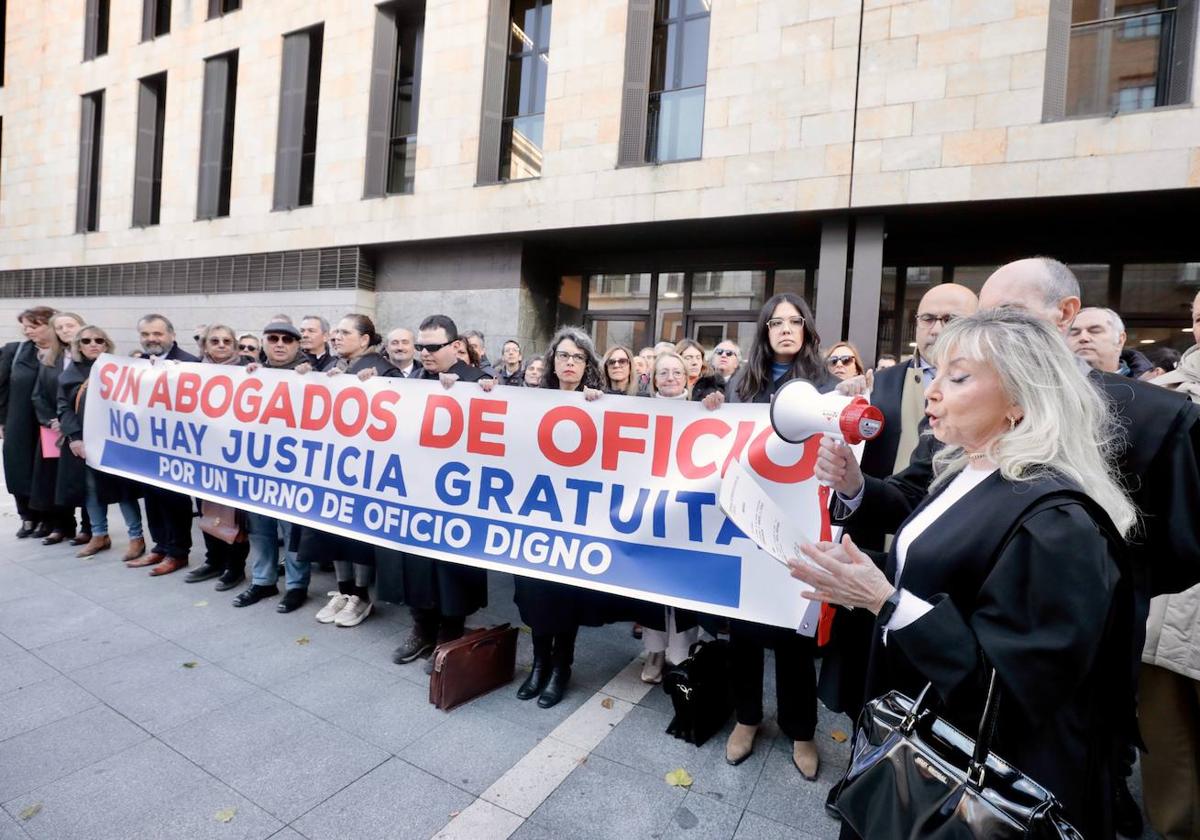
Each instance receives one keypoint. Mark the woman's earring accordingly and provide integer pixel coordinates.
(1012, 423)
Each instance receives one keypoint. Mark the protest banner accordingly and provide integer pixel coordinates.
(619, 494)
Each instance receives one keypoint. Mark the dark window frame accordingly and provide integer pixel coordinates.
(147, 191)
(156, 19)
(299, 108)
(663, 22)
(220, 8)
(216, 152)
(91, 148)
(399, 180)
(96, 20)
(538, 53)
(397, 24)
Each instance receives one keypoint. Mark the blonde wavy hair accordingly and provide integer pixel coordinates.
(1066, 427)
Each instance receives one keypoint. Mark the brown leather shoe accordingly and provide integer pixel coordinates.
(740, 743)
(171, 564)
(806, 759)
(151, 559)
(137, 547)
(82, 538)
(95, 546)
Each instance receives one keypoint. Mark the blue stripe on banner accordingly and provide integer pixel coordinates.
(695, 575)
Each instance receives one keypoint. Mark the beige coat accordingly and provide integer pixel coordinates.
(1173, 629)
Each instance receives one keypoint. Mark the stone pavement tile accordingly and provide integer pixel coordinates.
(240, 630)
(17, 582)
(480, 821)
(782, 794)
(756, 827)
(640, 741)
(530, 830)
(148, 791)
(101, 580)
(471, 749)
(166, 608)
(8, 647)
(599, 655)
(96, 645)
(281, 757)
(287, 833)
(395, 801)
(702, 818)
(41, 703)
(20, 669)
(503, 703)
(154, 689)
(615, 802)
(834, 756)
(276, 661)
(52, 751)
(379, 708)
(25, 620)
(10, 829)
(50, 559)
(659, 701)
(535, 776)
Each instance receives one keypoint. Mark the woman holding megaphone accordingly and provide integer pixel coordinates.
(786, 347)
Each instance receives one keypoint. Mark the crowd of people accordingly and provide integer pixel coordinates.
(1031, 507)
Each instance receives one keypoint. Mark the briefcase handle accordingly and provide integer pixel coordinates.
(922, 708)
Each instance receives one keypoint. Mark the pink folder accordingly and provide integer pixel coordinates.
(50, 443)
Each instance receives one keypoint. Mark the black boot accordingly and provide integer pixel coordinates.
(205, 571)
(254, 594)
(26, 530)
(556, 688)
(536, 681)
(230, 578)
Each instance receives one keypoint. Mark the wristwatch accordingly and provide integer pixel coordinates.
(889, 608)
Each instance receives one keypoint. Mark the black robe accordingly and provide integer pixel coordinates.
(21, 366)
(423, 582)
(44, 491)
(1030, 578)
(110, 488)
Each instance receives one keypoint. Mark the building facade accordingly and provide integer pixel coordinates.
(653, 169)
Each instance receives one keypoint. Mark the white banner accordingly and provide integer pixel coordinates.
(619, 494)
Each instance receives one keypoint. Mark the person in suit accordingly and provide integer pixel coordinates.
(168, 513)
(1015, 561)
(440, 595)
(314, 342)
(511, 370)
(401, 353)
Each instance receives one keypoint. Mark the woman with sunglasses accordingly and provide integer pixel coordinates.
(54, 360)
(249, 348)
(555, 611)
(617, 371)
(100, 489)
(786, 347)
(843, 360)
(70, 486)
(226, 562)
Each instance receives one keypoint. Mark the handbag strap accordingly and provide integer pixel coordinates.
(987, 724)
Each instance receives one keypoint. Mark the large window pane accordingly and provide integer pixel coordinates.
(676, 124)
(402, 165)
(729, 290)
(669, 321)
(606, 333)
(1160, 288)
(918, 280)
(525, 89)
(619, 291)
(1093, 283)
(521, 148)
(1114, 65)
(678, 72)
(973, 276)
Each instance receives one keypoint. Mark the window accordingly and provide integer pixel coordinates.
(216, 135)
(1116, 56)
(296, 142)
(156, 18)
(3, 15)
(395, 99)
(217, 8)
(91, 125)
(678, 70)
(148, 159)
(95, 29)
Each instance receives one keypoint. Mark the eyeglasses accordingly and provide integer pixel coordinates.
(721, 351)
(617, 362)
(247, 348)
(431, 348)
(218, 340)
(839, 360)
(564, 356)
(91, 341)
(928, 319)
(776, 323)
(275, 338)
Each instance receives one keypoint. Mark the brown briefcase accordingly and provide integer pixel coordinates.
(472, 665)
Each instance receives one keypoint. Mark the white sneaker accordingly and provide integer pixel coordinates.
(336, 604)
(353, 613)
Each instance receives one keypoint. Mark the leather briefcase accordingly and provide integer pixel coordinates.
(471, 665)
(701, 691)
(222, 522)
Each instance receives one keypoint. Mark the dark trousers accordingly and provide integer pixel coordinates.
(556, 648)
(225, 556)
(169, 516)
(795, 678)
(24, 511)
(431, 624)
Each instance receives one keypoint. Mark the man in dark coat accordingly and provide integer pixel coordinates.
(439, 594)
(314, 342)
(18, 374)
(168, 514)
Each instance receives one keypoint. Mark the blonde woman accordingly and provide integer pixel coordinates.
(618, 372)
(844, 360)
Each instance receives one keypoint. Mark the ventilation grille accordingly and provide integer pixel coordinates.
(326, 268)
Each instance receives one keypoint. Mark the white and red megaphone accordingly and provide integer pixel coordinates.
(799, 411)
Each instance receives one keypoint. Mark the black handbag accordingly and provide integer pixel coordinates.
(701, 691)
(913, 776)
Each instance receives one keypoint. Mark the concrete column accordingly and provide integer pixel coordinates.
(831, 279)
(865, 288)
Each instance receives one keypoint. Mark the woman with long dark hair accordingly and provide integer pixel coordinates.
(21, 426)
(555, 611)
(786, 346)
(617, 371)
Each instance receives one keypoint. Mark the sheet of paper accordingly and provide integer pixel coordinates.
(754, 511)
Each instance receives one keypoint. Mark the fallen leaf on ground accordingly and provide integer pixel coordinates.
(303, 640)
(189, 664)
(200, 604)
(454, 814)
(226, 815)
(607, 703)
(30, 812)
(838, 735)
(679, 778)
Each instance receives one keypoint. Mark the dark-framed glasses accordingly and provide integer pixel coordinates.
(724, 351)
(83, 341)
(274, 338)
(564, 356)
(247, 348)
(216, 339)
(840, 360)
(928, 319)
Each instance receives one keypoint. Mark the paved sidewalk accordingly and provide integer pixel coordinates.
(133, 707)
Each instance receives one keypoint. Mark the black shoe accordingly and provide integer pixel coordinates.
(536, 681)
(41, 531)
(55, 537)
(414, 647)
(293, 599)
(556, 688)
(26, 530)
(229, 579)
(1127, 817)
(205, 571)
(254, 594)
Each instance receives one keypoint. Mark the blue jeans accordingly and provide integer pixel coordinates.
(98, 512)
(263, 532)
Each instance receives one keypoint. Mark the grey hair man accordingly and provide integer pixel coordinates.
(1098, 336)
(400, 350)
(314, 341)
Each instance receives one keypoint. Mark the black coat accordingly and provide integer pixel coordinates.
(178, 354)
(879, 455)
(44, 492)
(1030, 578)
(20, 372)
(423, 582)
(706, 385)
(71, 489)
(109, 488)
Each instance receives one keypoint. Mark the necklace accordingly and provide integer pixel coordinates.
(976, 456)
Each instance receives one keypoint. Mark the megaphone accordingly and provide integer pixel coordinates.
(799, 411)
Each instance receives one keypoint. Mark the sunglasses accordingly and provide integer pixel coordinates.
(617, 362)
(840, 360)
(91, 341)
(431, 348)
(247, 348)
(216, 340)
(721, 351)
(275, 338)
